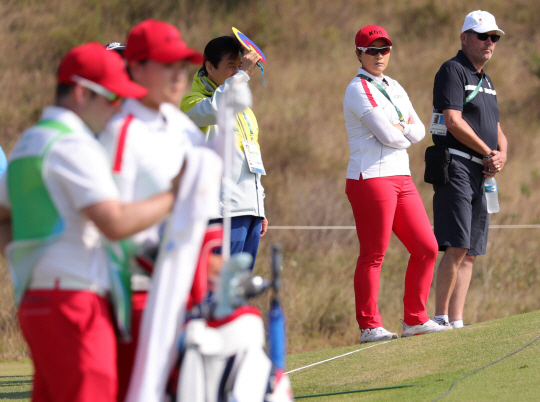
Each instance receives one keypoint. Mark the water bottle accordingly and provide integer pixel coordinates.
(492, 196)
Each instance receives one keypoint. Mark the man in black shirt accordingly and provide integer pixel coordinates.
(466, 98)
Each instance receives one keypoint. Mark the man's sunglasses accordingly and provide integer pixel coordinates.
(114, 99)
(484, 36)
(374, 51)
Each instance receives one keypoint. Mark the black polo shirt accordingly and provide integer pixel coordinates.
(455, 80)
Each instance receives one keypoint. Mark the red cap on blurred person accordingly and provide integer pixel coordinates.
(159, 41)
(369, 33)
(94, 63)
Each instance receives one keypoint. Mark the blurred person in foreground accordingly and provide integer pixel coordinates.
(381, 123)
(147, 143)
(58, 197)
(466, 98)
(225, 61)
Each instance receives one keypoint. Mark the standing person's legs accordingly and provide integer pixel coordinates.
(245, 235)
(412, 227)
(461, 225)
(478, 245)
(459, 294)
(373, 202)
(239, 230)
(73, 345)
(447, 274)
(39, 385)
(253, 238)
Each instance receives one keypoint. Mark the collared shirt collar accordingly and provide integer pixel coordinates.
(464, 60)
(378, 80)
(147, 115)
(67, 117)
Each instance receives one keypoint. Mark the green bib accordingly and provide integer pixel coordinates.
(36, 222)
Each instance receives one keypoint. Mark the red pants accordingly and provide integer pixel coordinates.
(382, 205)
(126, 351)
(73, 345)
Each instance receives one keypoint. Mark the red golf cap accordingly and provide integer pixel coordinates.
(369, 33)
(94, 63)
(159, 41)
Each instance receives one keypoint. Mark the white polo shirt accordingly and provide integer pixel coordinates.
(146, 149)
(76, 174)
(377, 147)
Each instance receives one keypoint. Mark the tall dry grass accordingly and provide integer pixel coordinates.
(310, 61)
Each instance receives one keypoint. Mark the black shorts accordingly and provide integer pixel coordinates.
(460, 214)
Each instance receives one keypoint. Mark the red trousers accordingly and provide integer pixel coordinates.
(73, 345)
(382, 205)
(126, 351)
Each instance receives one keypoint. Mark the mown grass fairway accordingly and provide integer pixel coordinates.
(15, 381)
(434, 362)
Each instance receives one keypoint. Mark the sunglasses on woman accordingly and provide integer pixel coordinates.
(374, 51)
(484, 36)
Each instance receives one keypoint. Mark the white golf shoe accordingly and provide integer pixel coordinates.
(425, 328)
(376, 334)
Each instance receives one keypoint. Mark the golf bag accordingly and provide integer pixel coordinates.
(224, 361)
(222, 358)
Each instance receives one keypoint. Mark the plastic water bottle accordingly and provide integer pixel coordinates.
(492, 195)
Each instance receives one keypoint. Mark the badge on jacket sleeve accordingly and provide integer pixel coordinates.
(253, 156)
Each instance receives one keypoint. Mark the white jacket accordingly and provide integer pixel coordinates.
(377, 147)
(201, 106)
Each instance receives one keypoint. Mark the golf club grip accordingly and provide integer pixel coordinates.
(277, 260)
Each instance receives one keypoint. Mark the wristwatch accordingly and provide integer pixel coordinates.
(488, 156)
(402, 125)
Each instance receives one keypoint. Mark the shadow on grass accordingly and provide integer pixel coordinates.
(15, 381)
(15, 395)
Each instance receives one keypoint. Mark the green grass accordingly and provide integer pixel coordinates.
(15, 381)
(433, 362)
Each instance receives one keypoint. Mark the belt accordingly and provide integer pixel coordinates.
(67, 284)
(466, 156)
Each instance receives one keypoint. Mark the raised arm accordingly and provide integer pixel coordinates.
(204, 110)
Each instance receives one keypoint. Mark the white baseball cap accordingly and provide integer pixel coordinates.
(481, 22)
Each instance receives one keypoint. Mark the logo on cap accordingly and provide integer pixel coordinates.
(115, 45)
(375, 32)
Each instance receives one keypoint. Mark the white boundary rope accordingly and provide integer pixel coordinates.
(354, 227)
(336, 357)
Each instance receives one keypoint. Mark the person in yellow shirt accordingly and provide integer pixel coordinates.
(225, 62)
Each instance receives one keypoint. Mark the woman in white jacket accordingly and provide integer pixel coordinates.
(381, 123)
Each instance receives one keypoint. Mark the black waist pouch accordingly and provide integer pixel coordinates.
(437, 161)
